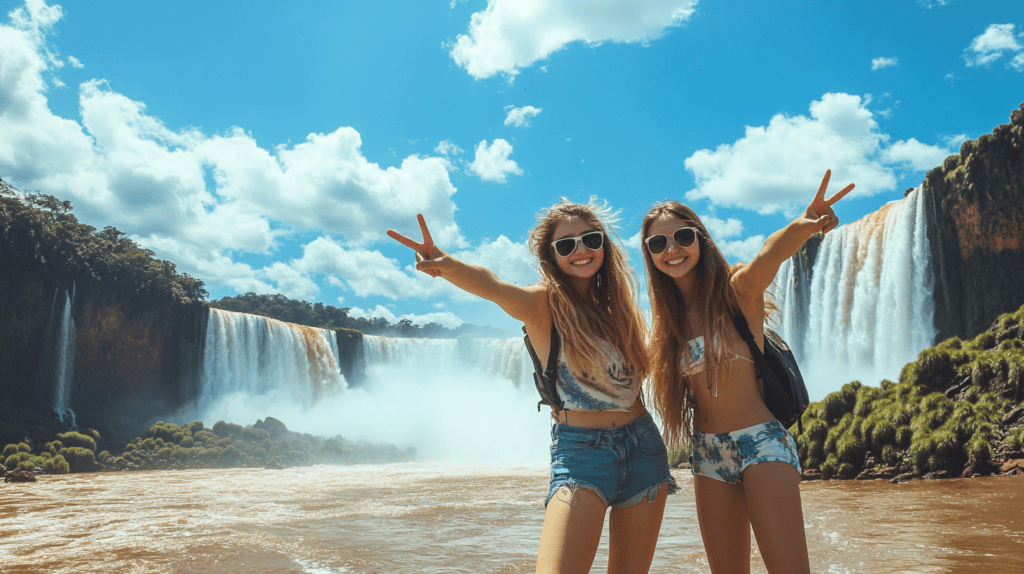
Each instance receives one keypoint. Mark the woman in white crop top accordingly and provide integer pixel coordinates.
(606, 450)
(705, 387)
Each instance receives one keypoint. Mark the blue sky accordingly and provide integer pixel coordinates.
(267, 147)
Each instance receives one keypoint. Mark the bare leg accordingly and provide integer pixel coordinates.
(572, 530)
(772, 492)
(724, 525)
(633, 534)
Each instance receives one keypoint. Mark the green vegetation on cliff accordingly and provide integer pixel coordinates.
(957, 410)
(38, 230)
(975, 210)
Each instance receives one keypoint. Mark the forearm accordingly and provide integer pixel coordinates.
(785, 242)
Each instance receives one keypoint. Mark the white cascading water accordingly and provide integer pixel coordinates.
(866, 308)
(57, 362)
(65, 364)
(451, 399)
(257, 355)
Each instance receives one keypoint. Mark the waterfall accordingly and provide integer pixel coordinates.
(258, 355)
(461, 399)
(57, 363)
(864, 308)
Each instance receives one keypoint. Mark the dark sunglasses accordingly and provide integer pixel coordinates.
(592, 240)
(683, 237)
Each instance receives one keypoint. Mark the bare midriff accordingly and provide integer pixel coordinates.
(600, 419)
(738, 403)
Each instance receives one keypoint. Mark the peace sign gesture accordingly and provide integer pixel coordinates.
(429, 259)
(819, 212)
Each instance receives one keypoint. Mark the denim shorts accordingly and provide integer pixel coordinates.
(623, 465)
(724, 456)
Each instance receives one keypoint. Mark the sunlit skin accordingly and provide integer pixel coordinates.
(768, 498)
(572, 521)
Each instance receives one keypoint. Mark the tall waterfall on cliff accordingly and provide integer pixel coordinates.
(449, 398)
(864, 308)
(57, 364)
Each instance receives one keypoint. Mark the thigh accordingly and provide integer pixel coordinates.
(772, 491)
(633, 534)
(572, 529)
(724, 525)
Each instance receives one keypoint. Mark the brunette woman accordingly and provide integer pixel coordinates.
(706, 389)
(605, 449)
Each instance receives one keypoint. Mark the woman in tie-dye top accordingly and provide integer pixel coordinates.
(605, 449)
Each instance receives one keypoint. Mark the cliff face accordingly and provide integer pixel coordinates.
(132, 359)
(975, 207)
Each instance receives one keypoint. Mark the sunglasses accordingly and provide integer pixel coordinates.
(566, 246)
(683, 237)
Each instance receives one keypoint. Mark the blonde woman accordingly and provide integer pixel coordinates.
(605, 449)
(706, 389)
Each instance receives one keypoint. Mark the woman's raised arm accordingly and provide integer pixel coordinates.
(528, 304)
(752, 280)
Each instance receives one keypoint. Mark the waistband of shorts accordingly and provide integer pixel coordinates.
(643, 423)
(740, 432)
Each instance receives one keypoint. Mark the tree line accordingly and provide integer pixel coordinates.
(39, 231)
(282, 308)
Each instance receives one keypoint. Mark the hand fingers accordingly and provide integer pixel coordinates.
(839, 195)
(429, 267)
(404, 240)
(820, 196)
(830, 220)
(427, 241)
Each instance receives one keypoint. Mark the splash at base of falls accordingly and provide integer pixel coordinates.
(450, 399)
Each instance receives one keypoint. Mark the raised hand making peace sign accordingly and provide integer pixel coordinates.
(429, 259)
(820, 210)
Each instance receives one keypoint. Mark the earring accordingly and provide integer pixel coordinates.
(598, 279)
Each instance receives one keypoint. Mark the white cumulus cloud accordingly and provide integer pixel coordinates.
(917, 155)
(997, 40)
(520, 117)
(777, 168)
(510, 35)
(447, 147)
(445, 319)
(879, 63)
(492, 163)
(121, 166)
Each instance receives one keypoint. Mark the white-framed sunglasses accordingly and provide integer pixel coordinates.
(683, 237)
(592, 240)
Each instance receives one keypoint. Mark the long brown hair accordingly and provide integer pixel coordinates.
(712, 294)
(609, 311)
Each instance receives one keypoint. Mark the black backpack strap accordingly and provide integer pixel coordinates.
(740, 322)
(545, 377)
(761, 362)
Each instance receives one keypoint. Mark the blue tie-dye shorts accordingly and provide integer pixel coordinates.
(724, 456)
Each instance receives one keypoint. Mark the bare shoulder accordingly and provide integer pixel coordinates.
(750, 298)
(535, 309)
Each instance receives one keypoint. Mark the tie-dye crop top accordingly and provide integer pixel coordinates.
(614, 390)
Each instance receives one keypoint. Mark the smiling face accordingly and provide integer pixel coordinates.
(582, 263)
(675, 261)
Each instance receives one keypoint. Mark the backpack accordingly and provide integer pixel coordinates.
(785, 393)
(543, 378)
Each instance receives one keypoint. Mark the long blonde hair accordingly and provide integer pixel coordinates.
(609, 312)
(712, 294)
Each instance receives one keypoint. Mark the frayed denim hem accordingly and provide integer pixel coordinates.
(650, 494)
(573, 485)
